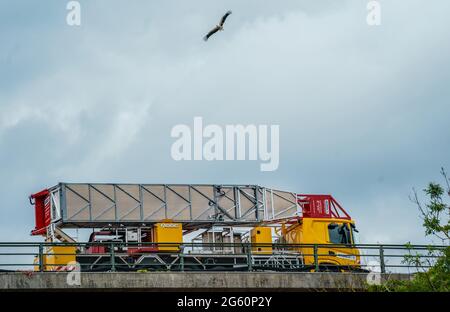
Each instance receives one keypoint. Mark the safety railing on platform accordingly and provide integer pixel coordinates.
(143, 257)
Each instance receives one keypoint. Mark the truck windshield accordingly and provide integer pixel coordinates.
(339, 234)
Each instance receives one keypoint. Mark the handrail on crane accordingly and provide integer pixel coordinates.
(321, 206)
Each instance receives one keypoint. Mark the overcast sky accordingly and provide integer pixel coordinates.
(363, 111)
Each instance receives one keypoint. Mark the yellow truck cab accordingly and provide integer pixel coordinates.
(324, 222)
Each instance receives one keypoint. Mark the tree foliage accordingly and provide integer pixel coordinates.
(433, 270)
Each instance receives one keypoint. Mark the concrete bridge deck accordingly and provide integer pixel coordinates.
(189, 281)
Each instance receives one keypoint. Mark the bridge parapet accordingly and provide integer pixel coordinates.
(190, 281)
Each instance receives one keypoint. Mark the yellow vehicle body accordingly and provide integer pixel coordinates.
(261, 235)
(56, 257)
(320, 231)
(168, 232)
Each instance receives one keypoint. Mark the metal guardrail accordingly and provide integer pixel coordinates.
(116, 256)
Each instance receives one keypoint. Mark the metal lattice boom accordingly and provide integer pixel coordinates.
(98, 205)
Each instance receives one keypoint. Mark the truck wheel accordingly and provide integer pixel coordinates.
(329, 268)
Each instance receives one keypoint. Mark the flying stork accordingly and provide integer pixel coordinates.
(218, 26)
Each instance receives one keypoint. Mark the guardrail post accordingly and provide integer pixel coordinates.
(41, 258)
(181, 258)
(382, 264)
(316, 258)
(249, 257)
(113, 256)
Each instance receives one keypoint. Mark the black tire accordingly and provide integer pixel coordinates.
(329, 268)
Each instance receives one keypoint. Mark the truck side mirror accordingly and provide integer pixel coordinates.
(354, 227)
(332, 226)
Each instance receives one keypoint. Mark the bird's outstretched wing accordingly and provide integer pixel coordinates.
(224, 18)
(211, 32)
